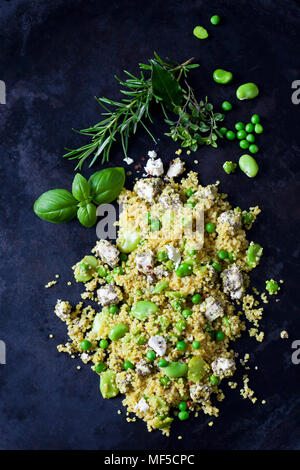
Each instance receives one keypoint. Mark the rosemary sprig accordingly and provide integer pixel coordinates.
(121, 118)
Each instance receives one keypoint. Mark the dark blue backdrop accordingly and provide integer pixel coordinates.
(55, 56)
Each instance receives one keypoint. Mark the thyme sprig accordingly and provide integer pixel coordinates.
(122, 118)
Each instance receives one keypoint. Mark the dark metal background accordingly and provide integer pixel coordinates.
(55, 56)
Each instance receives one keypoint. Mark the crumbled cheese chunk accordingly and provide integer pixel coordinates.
(158, 344)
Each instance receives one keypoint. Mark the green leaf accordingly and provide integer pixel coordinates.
(107, 184)
(56, 206)
(164, 86)
(87, 215)
(80, 188)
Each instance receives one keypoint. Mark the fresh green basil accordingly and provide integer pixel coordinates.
(107, 184)
(165, 86)
(87, 215)
(80, 188)
(56, 206)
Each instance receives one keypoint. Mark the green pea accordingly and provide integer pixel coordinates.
(85, 345)
(162, 363)
(181, 325)
(103, 343)
(141, 340)
(210, 227)
(160, 287)
(196, 369)
(254, 253)
(183, 415)
(184, 269)
(196, 299)
(239, 126)
(255, 119)
(177, 305)
(176, 369)
(200, 32)
(222, 254)
(253, 148)
(241, 135)
(247, 218)
(220, 336)
(123, 257)
(229, 167)
(196, 344)
(109, 278)
(222, 76)
(170, 265)
(223, 130)
(155, 225)
(113, 309)
(248, 165)
(191, 204)
(129, 241)
(249, 127)
(128, 365)
(231, 257)
(181, 346)
(100, 367)
(226, 106)
(258, 129)
(215, 19)
(230, 135)
(189, 192)
(162, 256)
(191, 252)
(102, 271)
(118, 270)
(216, 266)
(118, 332)
(165, 381)
(108, 387)
(250, 138)
(182, 406)
(150, 355)
(247, 91)
(143, 309)
(244, 144)
(186, 313)
(272, 286)
(214, 380)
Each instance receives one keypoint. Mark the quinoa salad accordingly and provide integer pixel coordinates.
(163, 304)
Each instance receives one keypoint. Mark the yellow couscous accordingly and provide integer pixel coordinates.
(167, 300)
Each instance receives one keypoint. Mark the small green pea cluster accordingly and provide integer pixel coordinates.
(245, 133)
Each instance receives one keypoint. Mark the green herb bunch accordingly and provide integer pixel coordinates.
(59, 205)
(196, 123)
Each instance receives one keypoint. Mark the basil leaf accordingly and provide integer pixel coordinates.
(164, 85)
(107, 184)
(56, 206)
(87, 215)
(80, 188)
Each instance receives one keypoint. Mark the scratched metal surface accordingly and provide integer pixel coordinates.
(55, 56)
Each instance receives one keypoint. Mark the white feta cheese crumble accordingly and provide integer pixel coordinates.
(212, 308)
(144, 261)
(222, 366)
(63, 309)
(176, 168)
(141, 406)
(108, 252)
(128, 160)
(173, 255)
(158, 344)
(152, 154)
(154, 167)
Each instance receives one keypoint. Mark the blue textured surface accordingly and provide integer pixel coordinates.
(55, 56)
